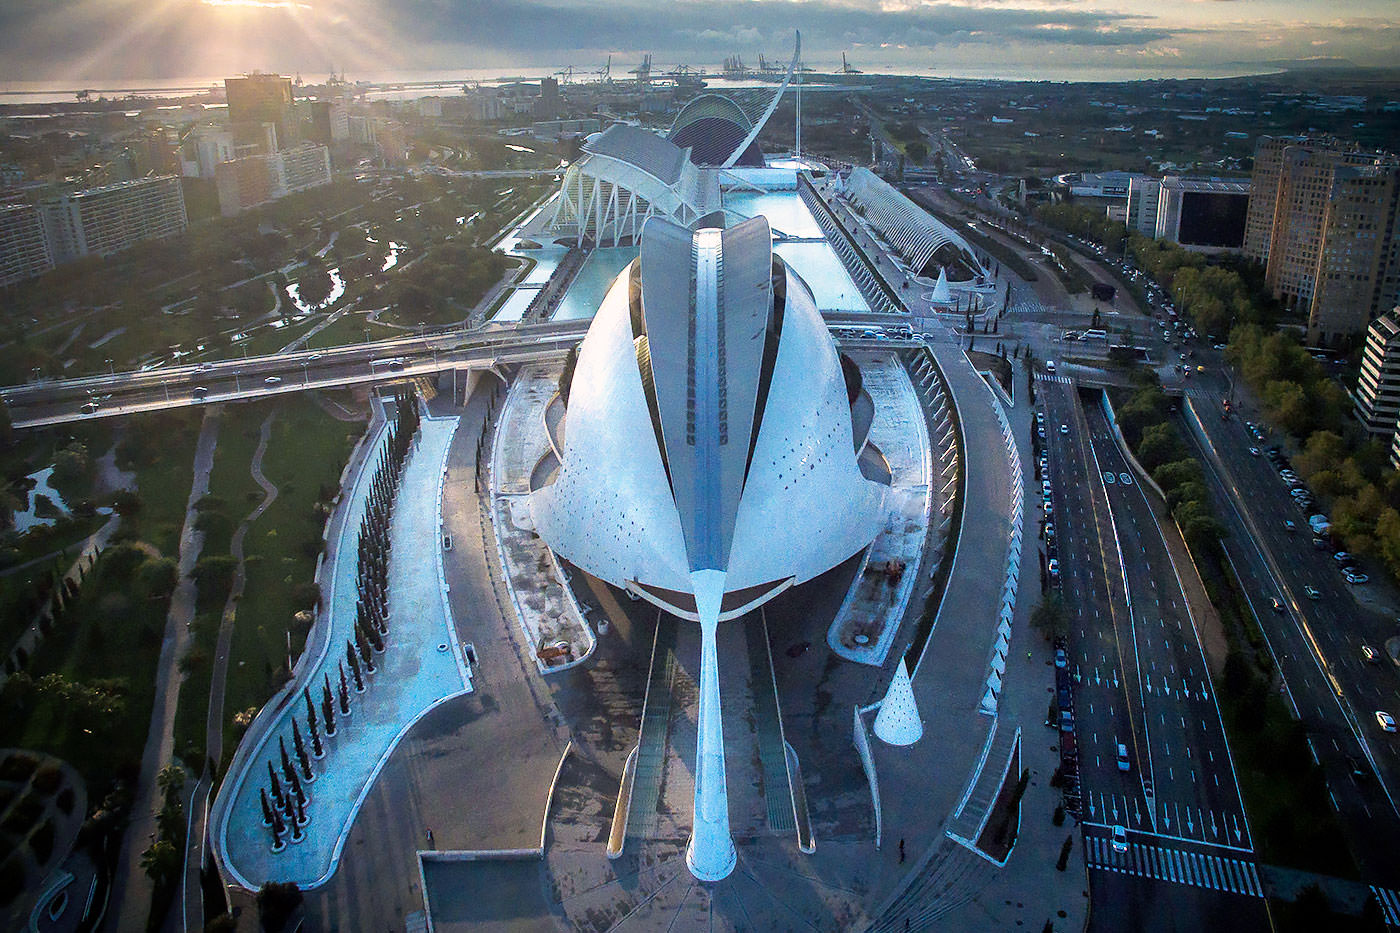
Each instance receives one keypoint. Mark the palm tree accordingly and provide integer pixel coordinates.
(161, 861)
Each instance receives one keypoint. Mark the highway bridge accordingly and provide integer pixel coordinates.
(60, 401)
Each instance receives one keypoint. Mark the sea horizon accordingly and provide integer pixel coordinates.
(58, 90)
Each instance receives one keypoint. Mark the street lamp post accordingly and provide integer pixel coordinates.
(165, 384)
(305, 379)
(236, 388)
(111, 367)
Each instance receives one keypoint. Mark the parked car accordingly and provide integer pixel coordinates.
(1061, 659)
(1064, 429)
(1054, 567)
(1369, 655)
(271, 381)
(1312, 592)
(1356, 579)
(1385, 720)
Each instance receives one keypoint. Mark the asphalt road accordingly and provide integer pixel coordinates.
(1142, 682)
(1315, 643)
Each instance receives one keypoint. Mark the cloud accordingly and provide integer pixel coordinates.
(41, 39)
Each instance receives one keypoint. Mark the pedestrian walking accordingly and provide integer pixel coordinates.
(901, 851)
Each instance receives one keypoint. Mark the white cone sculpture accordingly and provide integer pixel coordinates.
(898, 721)
(942, 294)
(710, 855)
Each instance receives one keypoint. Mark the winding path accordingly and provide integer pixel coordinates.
(131, 888)
(191, 895)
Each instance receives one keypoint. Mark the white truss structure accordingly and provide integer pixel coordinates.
(626, 175)
(908, 227)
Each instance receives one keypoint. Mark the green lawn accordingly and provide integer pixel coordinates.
(159, 446)
(232, 495)
(305, 456)
(350, 328)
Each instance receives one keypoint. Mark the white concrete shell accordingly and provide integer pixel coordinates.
(794, 507)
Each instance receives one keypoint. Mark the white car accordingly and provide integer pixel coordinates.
(1120, 839)
(1385, 720)
(271, 381)
(1064, 429)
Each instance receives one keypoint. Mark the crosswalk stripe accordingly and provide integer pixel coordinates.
(1198, 869)
(1390, 904)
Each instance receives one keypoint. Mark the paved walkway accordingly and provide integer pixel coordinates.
(865, 627)
(191, 895)
(544, 606)
(131, 900)
(421, 667)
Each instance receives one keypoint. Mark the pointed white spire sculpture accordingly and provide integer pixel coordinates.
(942, 294)
(710, 855)
(898, 721)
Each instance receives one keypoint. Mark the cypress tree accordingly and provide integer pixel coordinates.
(354, 662)
(327, 707)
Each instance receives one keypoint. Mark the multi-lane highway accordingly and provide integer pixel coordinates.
(104, 395)
(1316, 643)
(1142, 682)
(50, 401)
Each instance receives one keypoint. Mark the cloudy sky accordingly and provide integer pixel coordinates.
(77, 40)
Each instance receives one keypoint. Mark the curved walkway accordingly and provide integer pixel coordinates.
(421, 668)
(191, 895)
(131, 888)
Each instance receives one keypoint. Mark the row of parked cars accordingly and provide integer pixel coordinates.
(1306, 503)
(1047, 501)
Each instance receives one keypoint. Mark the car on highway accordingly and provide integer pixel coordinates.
(200, 393)
(1049, 529)
(1120, 839)
(1275, 604)
(1061, 659)
(1369, 655)
(1254, 451)
(1289, 525)
(1123, 764)
(1385, 720)
(1312, 592)
(1050, 366)
(1064, 429)
(90, 408)
(271, 381)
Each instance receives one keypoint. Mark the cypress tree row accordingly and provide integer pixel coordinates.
(285, 808)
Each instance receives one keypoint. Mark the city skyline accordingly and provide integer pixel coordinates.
(96, 39)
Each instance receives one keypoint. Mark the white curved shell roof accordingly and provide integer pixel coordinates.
(708, 429)
(909, 228)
